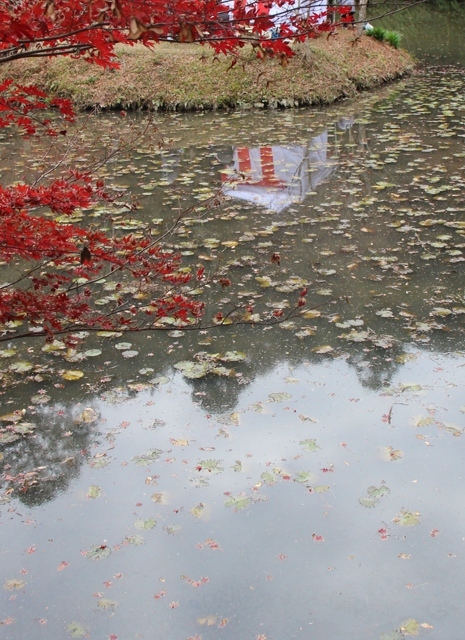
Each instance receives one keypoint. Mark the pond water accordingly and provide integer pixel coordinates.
(433, 32)
(303, 481)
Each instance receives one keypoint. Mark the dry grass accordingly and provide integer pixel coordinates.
(188, 77)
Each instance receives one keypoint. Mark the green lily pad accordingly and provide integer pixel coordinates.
(269, 478)
(410, 627)
(305, 477)
(77, 630)
(309, 445)
(212, 466)
(279, 397)
(135, 539)
(237, 502)
(98, 552)
(407, 519)
(106, 605)
(193, 370)
(150, 523)
(94, 492)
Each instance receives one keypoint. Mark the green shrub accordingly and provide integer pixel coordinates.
(377, 32)
(384, 35)
(393, 38)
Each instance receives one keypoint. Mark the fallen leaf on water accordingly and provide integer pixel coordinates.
(407, 519)
(77, 630)
(94, 492)
(14, 584)
(72, 374)
(410, 627)
(106, 605)
(209, 621)
(150, 523)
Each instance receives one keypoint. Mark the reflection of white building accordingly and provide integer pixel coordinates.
(276, 176)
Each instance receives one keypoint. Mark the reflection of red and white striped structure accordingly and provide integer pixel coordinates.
(276, 176)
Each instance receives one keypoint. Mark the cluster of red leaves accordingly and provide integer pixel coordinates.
(50, 259)
(91, 29)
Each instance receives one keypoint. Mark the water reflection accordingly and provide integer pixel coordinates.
(275, 177)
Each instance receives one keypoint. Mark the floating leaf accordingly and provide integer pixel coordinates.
(321, 488)
(123, 346)
(98, 552)
(130, 354)
(159, 498)
(94, 492)
(237, 502)
(14, 584)
(92, 353)
(72, 374)
(233, 356)
(410, 627)
(147, 458)
(368, 501)
(77, 630)
(7, 353)
(150, 523)
(179, 443)
(21, 367)
(135, 539)
(309, 445)
(279, 396)
(212, 466)
(172, 529)
(106, 605)
(199, 510)
(407, 519)
(208, 621)
(305, 477)
(13, 416)
(87, 416)
(193, 370)
(269, 478)
(421, 421)
(322, 349)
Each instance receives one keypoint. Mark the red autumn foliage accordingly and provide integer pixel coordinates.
(60, 263)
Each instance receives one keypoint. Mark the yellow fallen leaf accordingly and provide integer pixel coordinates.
(72, 374)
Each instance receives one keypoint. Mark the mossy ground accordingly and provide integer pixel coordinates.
(188, 77)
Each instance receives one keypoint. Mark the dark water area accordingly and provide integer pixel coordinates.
(432, 32)
(293, 481)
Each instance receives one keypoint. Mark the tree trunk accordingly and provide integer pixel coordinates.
(362, 16)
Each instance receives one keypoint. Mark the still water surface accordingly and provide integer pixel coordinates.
(315, 491)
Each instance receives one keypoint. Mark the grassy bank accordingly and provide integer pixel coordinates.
(188, 77)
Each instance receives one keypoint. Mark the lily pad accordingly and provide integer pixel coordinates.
(407, 519)
(150, 523)
(237, 502)
(72, 374)
(147, 458)
(279, 396)
(77, 630)
(98, 552)
(309, 445)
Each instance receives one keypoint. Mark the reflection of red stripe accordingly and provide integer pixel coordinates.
(244, 165)
(243, 158)
(268, 175)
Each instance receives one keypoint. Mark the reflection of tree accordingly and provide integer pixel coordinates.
(54, 455)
